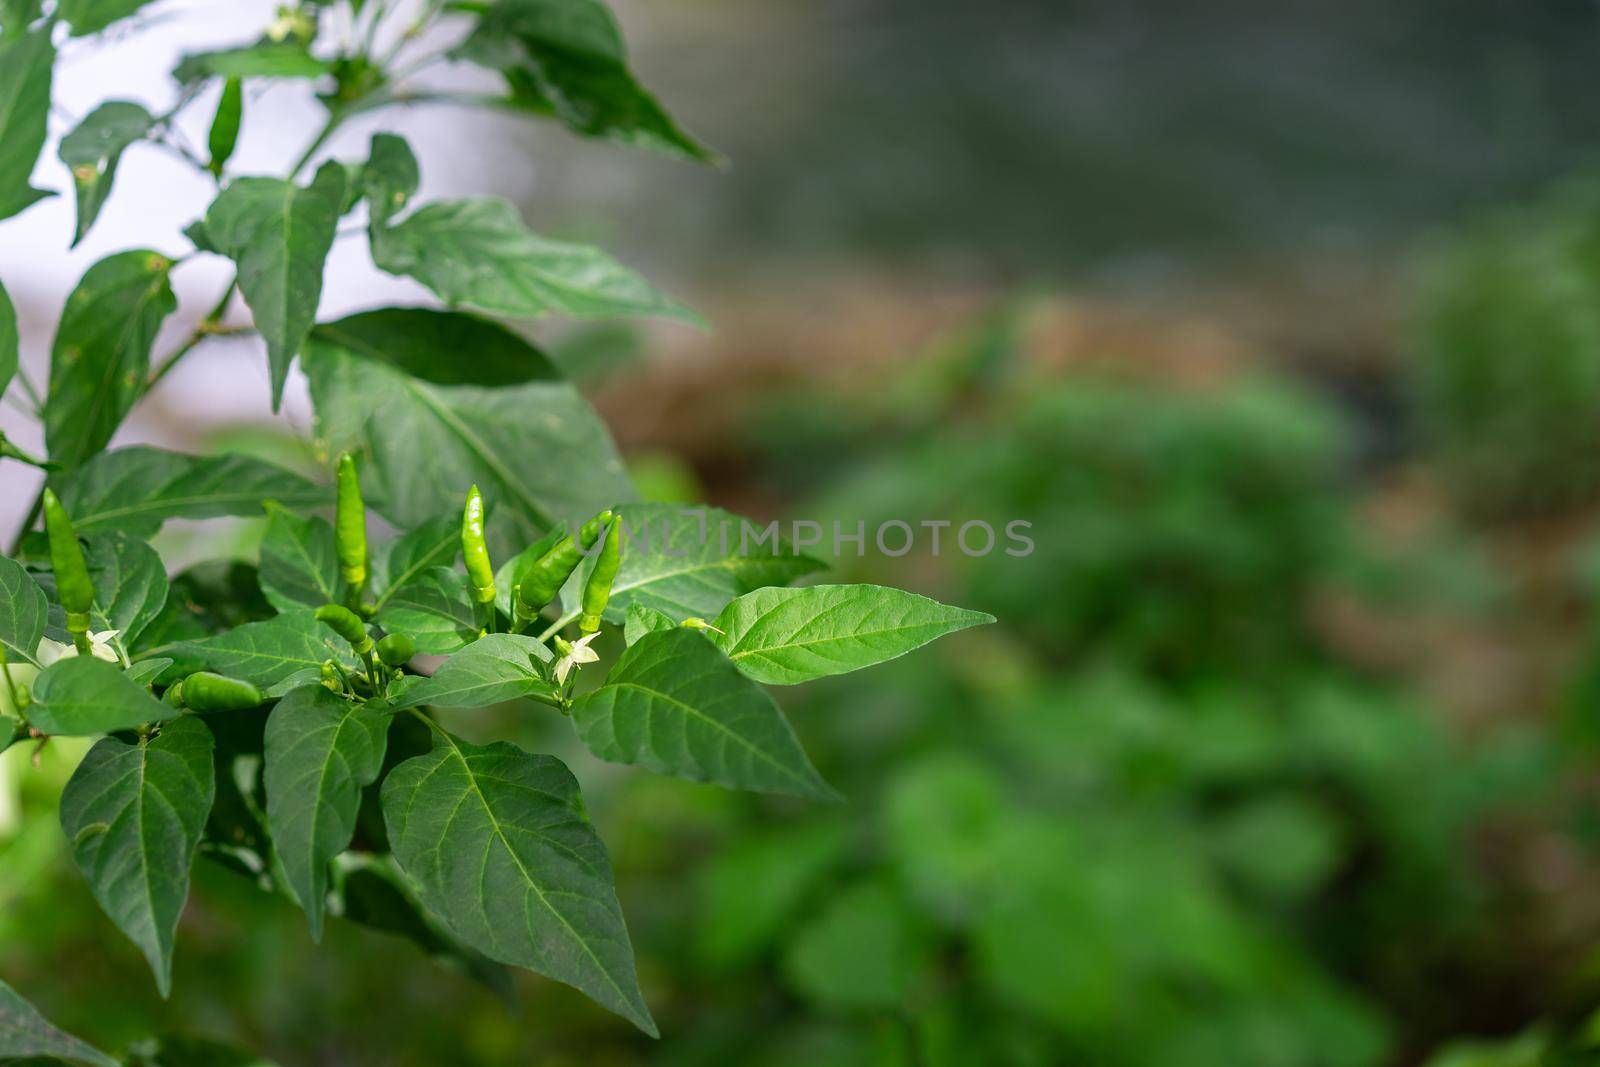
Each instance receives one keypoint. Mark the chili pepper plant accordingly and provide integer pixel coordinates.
(260, 738)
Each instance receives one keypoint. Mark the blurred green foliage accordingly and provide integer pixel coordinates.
(1508, 354)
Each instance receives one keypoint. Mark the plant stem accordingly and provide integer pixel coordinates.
(559, 625)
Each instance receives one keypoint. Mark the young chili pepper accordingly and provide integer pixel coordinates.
(475, 550)
(350, 531)
(73, 586)
(396, 650)
(551, 571)
(597, 590)
(206, 692)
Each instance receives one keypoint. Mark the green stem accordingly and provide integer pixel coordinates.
(29, 388)
(27, 523)
(559, 625)
(207, 327)
(11, 687)
(336, 117)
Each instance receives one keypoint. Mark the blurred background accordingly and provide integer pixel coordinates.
(1281, 324)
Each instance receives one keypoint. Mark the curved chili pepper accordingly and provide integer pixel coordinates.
(348, 625)
(480, 572)
(597, 590)
(550, 572)
(73, 587)
(350, 529)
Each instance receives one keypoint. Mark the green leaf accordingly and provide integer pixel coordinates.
(26, 62)
(645, 620)
(146, 671)
(443, 347)
(93, 150)
(566, 59)
(137, 489)
(24, 1033)
(538, 451)
(689, 562)
(101, 356)
(389, 178)
(9, 340)
(130, 583)
(498, 845)
(299, 568)
(92, 16)
(224, 135)
(492, 670)
(675, 704)
(433, 543)
(277, 655)
(321, 751)
(279, 234)
(81, 696)
(434, 610)
(478, 254)
(134, 814)
(23, 610)
(786, 636)
(269, 59)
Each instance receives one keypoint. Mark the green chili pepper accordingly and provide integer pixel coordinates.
(597, 590)
(73, 586)
(174, 694)
(480, 572)
(205, 692)
(551, 571)
(348, 625)
(396, 650)
(350, 530)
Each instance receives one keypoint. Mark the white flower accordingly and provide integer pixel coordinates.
(577, 654)
(100, 646)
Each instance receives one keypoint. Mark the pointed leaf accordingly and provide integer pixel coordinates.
(26, 62)
(102, 351)
(538, 451)
(82, 696)
(498, 845)
(645, 620)
(434, 610)
(565, 58)
(137, 489)
(92, 16)
(491, 670)
(321, 751)
(23, 609)
(433, 543)
(478, 254)
(389, 178)
(279, 234)
(786, 636)
(93, 151)
(276, 655)
(134, 814)
(443, 347)
(299, 568)
(268, 59)
(9, 345)
(675, 704)
(24, 1034)
(689, 562)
